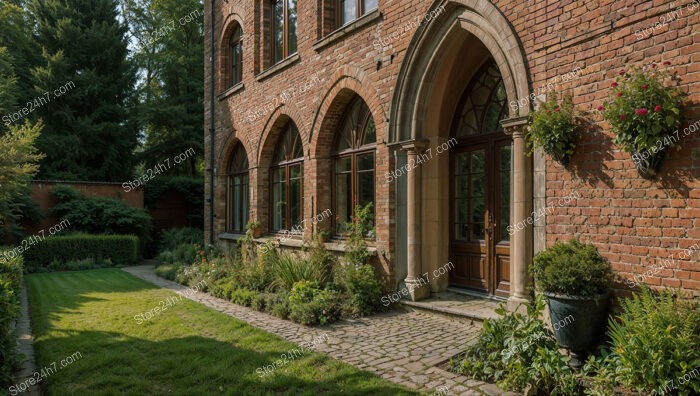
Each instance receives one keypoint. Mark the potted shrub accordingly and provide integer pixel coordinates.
(644, 113)
(575, 278)
(553, 128)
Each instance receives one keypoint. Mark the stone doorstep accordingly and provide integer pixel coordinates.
(464, 309)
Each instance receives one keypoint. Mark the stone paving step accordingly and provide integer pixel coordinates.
(455, 305)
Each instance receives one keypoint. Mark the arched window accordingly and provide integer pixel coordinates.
(484, 104)
(353, 160)
(238, 201)
(235, 57)
(287, 190)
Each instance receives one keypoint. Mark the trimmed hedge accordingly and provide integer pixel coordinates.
(117, 249)
(10, 288)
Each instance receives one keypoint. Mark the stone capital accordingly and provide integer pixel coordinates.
(515, 126)
(415, 146)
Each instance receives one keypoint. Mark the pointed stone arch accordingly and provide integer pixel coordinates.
(442, 57)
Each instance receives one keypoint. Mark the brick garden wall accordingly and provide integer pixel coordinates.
(41, 194)
(634, 222)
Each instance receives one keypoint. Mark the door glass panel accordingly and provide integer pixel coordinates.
(477, 197)
(505, 164)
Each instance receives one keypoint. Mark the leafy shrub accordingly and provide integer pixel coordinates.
(76, 265)
(518, 350)
(290, 268)
(184, 253)
(361, 227)
(259, 302)
(100, 215)
(553, 128)
(362, 287)
(168, 271)
(571, 268)
(654, 342)
(281, 309)
(104, 249)
(243, 297)
(274, 299)
(310, 305)
(258, 272)
(174, 237)
(10, 288)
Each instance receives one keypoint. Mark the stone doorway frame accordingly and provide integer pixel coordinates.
(408, 133)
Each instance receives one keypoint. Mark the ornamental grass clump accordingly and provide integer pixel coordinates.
(644, 111)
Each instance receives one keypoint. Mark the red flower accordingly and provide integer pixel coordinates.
(667, 63)
(645, 86)
(622, 117)
(642, 111)
(556, 109)
(613, 84)
(619, 94)
(657, 108)
(622, 72)
(600, 108)
(653, 65)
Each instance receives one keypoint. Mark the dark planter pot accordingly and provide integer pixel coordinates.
(578, 322)
(648, 163)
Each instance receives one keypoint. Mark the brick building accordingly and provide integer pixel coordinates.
(421, 108)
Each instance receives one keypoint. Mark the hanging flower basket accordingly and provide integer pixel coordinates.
(552, 127)
(644, 112)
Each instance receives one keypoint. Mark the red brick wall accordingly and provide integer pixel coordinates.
(636, 223)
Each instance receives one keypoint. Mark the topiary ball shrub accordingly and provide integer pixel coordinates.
(571, 268)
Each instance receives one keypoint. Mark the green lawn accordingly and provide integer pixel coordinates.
(188, 350)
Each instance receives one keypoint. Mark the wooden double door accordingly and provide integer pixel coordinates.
(480, 184)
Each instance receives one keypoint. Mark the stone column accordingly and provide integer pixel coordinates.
(418, 287)
(521, 243)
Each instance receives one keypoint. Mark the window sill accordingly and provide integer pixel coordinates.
(277, 67)
(294, 242)
(231, 91)
(231, 236)
(347, 29)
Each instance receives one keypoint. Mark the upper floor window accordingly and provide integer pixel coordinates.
(237, 191)
(353, 158)
(284, 29)
(235, 58)
(349, 10)
(287, 180)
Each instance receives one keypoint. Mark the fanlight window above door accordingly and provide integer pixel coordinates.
(484, 103)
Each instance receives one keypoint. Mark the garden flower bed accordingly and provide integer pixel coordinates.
(310, 286)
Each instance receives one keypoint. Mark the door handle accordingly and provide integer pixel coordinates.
(489, 222)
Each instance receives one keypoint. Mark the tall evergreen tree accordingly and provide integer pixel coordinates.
(16, 34)
(168, 36)
(88, 133)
